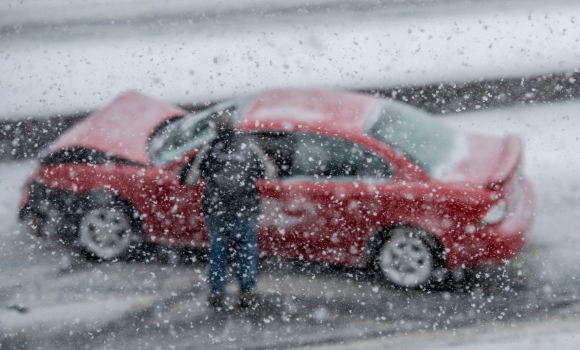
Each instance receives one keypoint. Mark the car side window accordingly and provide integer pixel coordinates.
(322, 157)
(327, 157)
(279, 148)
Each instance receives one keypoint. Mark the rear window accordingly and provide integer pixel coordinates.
(432, 144)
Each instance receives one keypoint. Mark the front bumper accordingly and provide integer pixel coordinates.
(40, 201)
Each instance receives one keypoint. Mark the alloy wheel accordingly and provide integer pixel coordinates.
(106, 232)
(405, 259)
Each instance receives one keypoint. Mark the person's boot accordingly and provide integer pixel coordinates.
(248, 299)
(216, 302)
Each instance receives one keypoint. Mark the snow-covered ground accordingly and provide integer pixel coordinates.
(81, 64)
(12, 177)
(542, 335)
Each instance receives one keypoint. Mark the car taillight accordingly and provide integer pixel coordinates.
(496, 213)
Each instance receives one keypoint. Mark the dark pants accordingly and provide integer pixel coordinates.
(243, 232)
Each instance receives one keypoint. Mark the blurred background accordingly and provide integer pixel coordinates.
(489, 66)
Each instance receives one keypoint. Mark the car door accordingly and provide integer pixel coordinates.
(175, 209)
(343, 174)
(177, 205)
(284, 210)
(319, 203)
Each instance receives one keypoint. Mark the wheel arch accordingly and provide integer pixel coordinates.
(97, 199)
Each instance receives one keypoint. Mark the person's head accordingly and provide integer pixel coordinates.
(224, 123)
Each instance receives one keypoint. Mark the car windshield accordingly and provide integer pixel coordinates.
(173, 141)
(435, 146)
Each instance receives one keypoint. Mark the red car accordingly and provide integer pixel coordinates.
(360, 181)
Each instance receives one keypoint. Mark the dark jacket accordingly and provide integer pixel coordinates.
(231, 165)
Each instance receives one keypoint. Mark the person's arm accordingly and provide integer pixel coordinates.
(266, 168)
(199, 167)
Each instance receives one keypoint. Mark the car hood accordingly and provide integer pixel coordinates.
(121, 129)
(490, 160)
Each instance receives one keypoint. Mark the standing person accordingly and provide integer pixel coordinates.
(231, 163)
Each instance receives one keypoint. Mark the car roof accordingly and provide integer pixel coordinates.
(308, 110)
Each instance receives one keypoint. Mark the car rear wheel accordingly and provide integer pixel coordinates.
(407, 258)
(108, 231)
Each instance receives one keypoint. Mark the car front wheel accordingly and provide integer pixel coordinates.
(405, 259)
(107, 231)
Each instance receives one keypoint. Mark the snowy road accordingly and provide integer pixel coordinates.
(157, 305)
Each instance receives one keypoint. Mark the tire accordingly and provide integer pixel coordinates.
(109, 229)
(408, 257)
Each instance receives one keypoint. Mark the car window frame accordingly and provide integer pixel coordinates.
(333, 179)
(237, 105)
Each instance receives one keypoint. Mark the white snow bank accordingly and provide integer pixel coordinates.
(193, 63)
(12, 177)
(76, 315)
(18, 12)
(553, 334)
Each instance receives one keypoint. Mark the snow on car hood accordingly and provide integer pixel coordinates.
(120, 129)
(490, 160)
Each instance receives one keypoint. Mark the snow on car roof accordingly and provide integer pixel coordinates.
(308, 109)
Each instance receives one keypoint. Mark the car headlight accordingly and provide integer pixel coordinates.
(496, 213)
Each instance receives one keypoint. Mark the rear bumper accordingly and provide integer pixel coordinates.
(501, 242)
